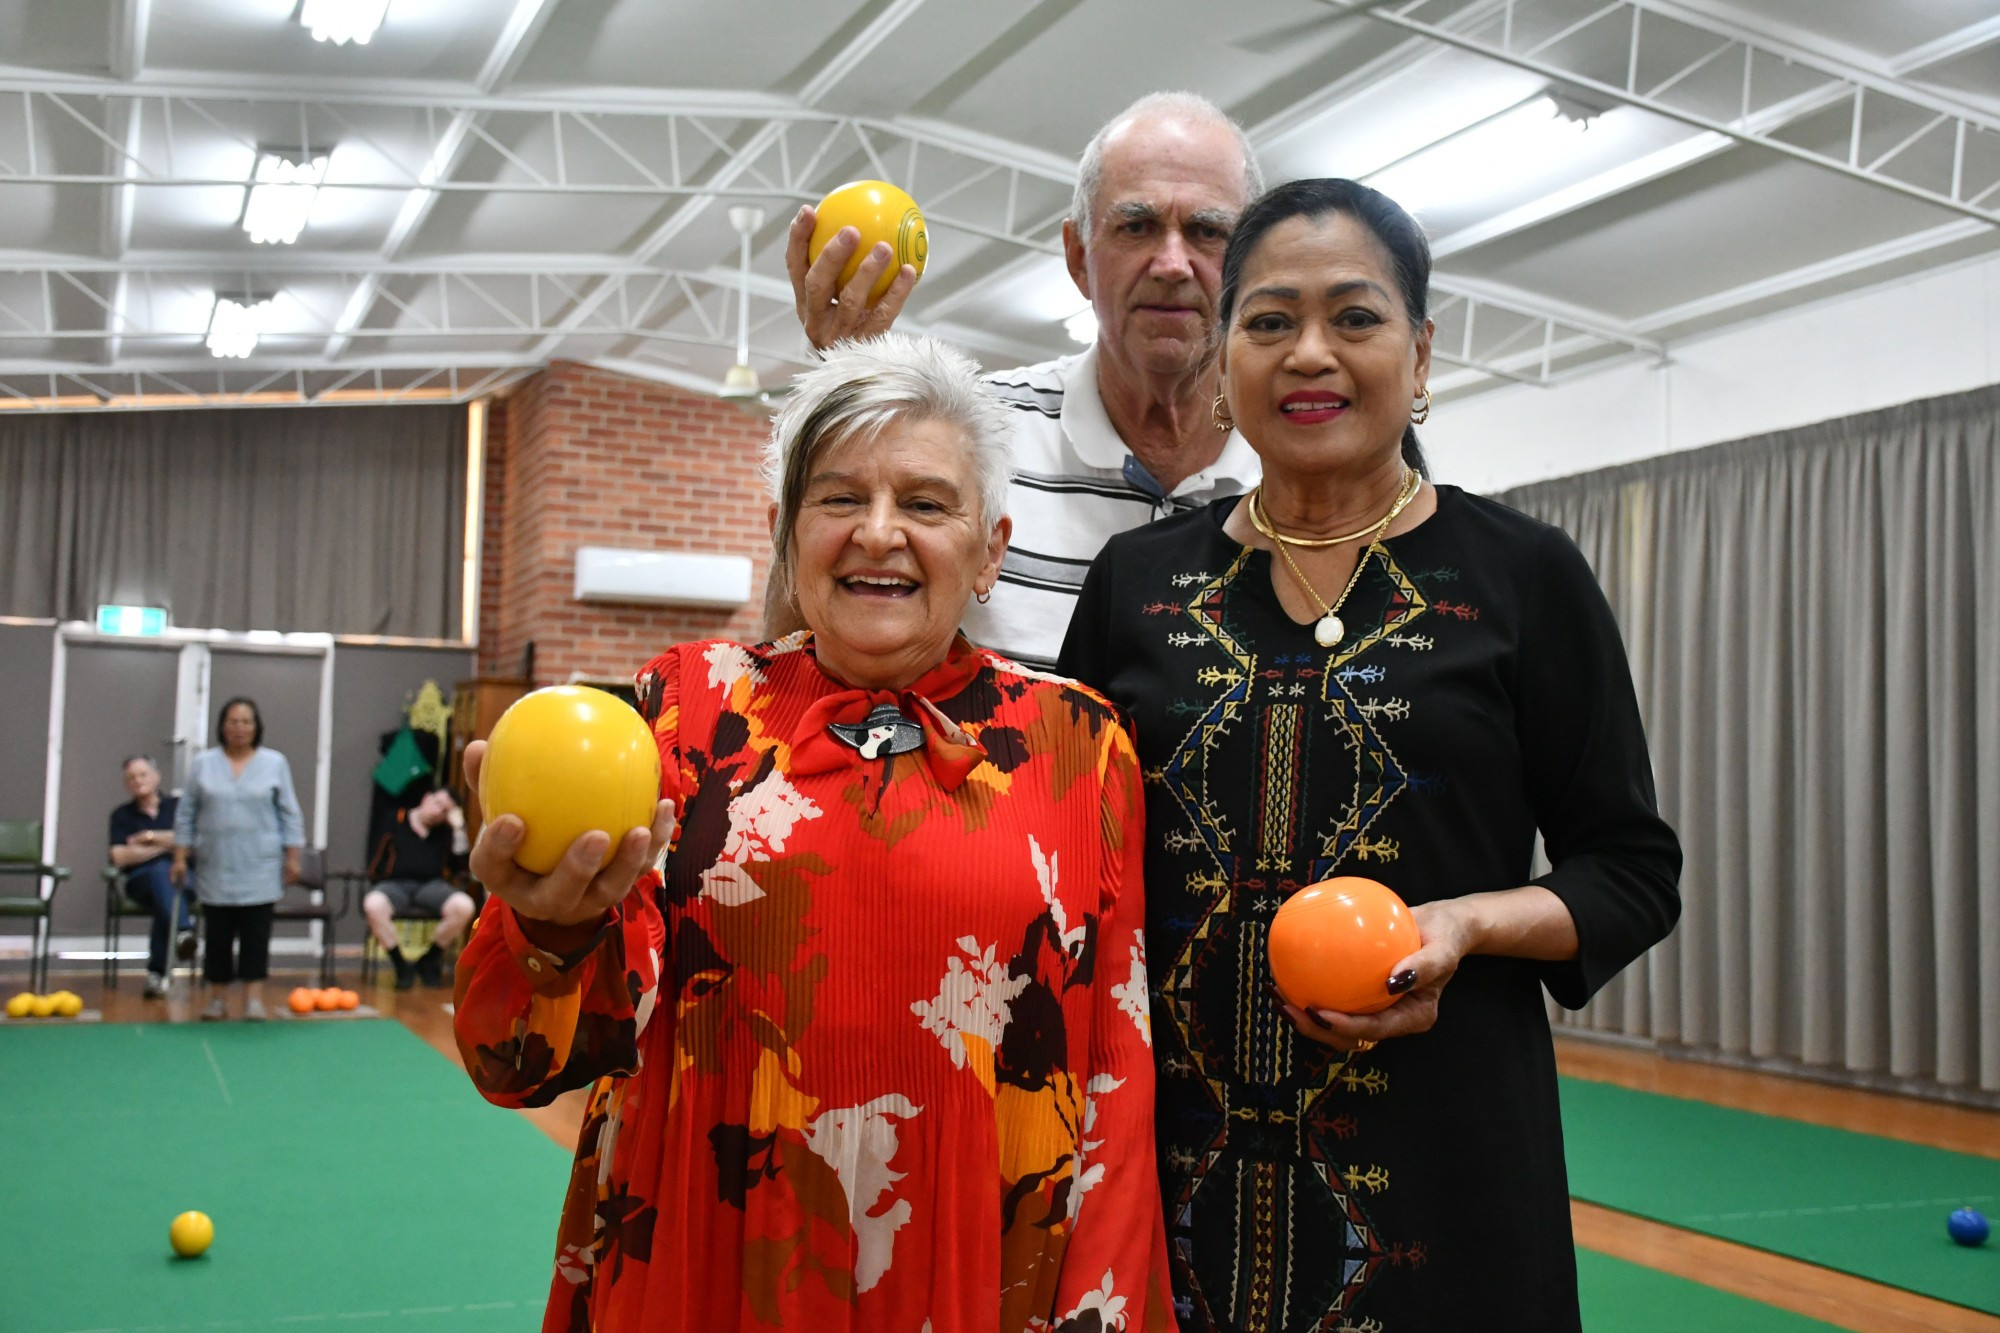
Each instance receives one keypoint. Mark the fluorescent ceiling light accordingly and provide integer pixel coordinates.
(280, 197)
(1483, 159)
(233, 325)
(1082, 326)
(343, 21)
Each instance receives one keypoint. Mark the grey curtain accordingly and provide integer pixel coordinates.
(346, 520)
(1813, 619)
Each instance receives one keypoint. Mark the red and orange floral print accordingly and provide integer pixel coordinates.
(873, 1051)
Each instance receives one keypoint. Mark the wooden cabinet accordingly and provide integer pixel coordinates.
(475, 706)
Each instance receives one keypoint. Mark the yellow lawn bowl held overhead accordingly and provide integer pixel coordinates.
(880, 212)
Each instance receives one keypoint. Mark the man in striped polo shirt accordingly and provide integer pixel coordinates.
(1124, 432)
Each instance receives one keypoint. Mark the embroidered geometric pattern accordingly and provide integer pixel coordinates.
(1269, 1159)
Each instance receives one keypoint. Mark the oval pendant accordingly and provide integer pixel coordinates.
(1329, 631)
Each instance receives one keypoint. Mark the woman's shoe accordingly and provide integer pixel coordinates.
(156, 986)
(253, 1012)
(218, 1009)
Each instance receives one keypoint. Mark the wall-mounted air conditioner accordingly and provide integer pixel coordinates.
(661, 578)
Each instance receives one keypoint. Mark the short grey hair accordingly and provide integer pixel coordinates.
(1168, 105)
(857, 391)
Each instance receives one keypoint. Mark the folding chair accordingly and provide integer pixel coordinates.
(20, 857)
(117, 907)
(317, 904)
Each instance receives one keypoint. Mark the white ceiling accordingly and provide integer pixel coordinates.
(513, 181)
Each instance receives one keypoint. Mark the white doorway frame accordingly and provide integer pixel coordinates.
(191, 703)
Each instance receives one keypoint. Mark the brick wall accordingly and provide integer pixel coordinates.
(579, 456)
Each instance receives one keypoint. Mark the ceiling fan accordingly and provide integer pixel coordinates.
(740, 385)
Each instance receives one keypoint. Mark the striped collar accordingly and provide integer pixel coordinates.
(1087, 426)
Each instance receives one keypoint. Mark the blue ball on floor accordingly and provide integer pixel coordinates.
(1968, 1226)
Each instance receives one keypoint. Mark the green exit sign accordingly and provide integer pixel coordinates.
(140, 620)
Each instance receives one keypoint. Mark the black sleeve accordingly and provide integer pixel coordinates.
(1616, 863)
(1086, 650)
(124, 823)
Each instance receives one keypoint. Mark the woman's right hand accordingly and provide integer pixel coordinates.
(179, 873)
(576, 892)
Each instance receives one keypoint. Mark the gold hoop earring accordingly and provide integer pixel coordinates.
(1220, 411)
(1421, 413)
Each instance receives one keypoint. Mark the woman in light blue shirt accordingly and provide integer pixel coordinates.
(240, 820)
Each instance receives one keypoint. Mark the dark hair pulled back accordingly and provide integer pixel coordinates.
(1409, 250)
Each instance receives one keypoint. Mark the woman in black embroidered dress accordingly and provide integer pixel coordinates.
(1353, 671)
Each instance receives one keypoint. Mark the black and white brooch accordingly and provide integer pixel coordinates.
(885, 731)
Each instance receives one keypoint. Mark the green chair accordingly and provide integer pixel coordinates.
(21, 858)
(117, 907)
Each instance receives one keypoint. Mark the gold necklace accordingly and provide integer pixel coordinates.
(1262, 521)
(1330, 630)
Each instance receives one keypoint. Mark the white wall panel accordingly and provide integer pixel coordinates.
(1891, 344)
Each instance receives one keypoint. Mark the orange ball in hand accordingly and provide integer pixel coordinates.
(1332, 945)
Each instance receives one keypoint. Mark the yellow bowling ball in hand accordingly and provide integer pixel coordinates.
(191, 1234)
(880, 212)
(567, 760)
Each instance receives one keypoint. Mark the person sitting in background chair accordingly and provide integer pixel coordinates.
(409, 869)
(142, 835)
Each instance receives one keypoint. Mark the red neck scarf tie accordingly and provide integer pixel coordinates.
(846, 727)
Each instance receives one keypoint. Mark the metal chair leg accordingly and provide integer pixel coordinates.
(38, 968)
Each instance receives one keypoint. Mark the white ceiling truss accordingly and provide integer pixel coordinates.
(1747, 86)
(759, 147)
(428, 295)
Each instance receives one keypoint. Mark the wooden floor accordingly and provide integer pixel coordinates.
(1834, 1298)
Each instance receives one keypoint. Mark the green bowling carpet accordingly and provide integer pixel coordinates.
(354, 1177)
(1869, 1206)
(356, 1180)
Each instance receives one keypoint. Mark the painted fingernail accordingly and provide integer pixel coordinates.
(1402, 981)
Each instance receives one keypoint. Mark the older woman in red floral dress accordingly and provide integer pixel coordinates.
(871, 1051)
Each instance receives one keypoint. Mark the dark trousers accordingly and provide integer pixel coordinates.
(230, 929)
(150, 885)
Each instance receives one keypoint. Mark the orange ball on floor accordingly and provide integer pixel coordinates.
(300, 1000)
(1332, 945)
(348, 999)
(326, 999)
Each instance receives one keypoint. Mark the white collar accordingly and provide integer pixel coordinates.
(1097, 442)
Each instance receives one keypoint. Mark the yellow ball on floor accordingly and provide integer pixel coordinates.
(21, 1005)
(68, 1004)
(190, 1234)
(43, 1006)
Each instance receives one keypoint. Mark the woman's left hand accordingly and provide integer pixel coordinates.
(291, 865)
(1446, 929)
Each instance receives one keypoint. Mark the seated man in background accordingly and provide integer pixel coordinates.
(409, 869)
(142, 836)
